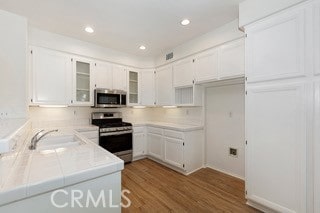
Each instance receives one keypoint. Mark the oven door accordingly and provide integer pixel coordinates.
(118, 143)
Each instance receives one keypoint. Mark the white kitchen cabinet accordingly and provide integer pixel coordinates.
(276, 146)
(119, 76)
(174, 152)
(276, 47)
(316, 145)
(147, 79)
(139, 143)
(83, 82)
(51, 76)
(316, 28)
(231, 60)
(179, 150)
(206, 66)
(155, 145)
(164, 86)
(183, 73)
(134, 87)
(103, 75)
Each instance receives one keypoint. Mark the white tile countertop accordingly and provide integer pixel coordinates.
(25, 173)
(173, 126)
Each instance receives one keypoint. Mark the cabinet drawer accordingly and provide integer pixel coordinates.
(155, 130)
(90, 135)
(174, 134)
(138, 129)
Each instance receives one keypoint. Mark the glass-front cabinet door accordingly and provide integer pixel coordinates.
(133, 97)
(82, 82)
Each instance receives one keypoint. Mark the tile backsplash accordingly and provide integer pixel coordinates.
(79, 116)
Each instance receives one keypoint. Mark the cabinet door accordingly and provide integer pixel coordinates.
(103, 75)
(164, 87)
(83, 82)
(155, 145)
(206, 66)
(174, 152)
(276, 47)
(183, 73)
(139, 144)
(51, 74)
(134, 90)
(276, 146)
(317, 147)
(231, 60)
(147, 79)
(119, 77)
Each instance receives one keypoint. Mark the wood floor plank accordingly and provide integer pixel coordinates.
(155, 188)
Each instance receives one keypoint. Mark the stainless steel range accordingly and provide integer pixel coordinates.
(114, 134)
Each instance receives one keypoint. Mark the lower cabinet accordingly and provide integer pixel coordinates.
(179, 150)
(174, 152)
(276, 146)
(139, 143)
(155, 145)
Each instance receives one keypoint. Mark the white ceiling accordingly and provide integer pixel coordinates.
(124, 25)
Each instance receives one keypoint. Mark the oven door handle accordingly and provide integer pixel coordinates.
(116, 133)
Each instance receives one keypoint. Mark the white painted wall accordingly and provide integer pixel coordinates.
(54, 41)
(225, 127)
(13, 63)
(213, 38)
(253, 10)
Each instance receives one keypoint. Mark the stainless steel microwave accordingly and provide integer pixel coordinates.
(104, 98)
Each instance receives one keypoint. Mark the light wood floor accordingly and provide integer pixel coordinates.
(155, 188)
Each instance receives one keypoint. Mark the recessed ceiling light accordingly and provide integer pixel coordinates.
(142, 47)
(89, 30)
(185, 22)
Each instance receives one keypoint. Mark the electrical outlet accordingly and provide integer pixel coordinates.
(233, 152)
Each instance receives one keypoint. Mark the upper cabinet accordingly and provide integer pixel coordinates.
(147, 79)
(231, 60)
(223, 62)
(276, 47)
(206, 66)
(134, 90)
(164, 86)
(119, 77)
(103, 75)
(51, 75)
(183, 73)
(83, 82)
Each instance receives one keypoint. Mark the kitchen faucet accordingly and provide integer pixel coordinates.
(35, 138)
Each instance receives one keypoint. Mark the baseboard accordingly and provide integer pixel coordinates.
(260, 207)
(225, 172)
(139, 157)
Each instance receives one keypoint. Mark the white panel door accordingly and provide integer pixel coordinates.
(276, 47)
(276, 149)
(206, 66)
(231, 60)
(52, 77)
(183, 73)
(155, 145)
(119, 77)
(103, 75)
(317, 148)
(174, 152)
(139, 144)
(164, 86)
(147, 86)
